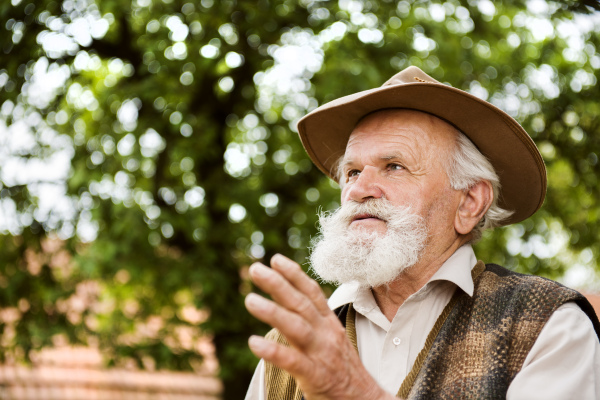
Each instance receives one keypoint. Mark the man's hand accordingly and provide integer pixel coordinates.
(321, 358)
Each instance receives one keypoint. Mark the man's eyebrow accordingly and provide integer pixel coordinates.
(387, 157)
(390, 157)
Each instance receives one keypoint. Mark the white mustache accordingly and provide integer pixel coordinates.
(377, 208)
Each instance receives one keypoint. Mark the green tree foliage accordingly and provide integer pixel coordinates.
(175, 122)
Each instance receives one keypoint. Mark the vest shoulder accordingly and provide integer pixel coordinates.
(541, 290)
(524, 281)
(518, 296)
(505, 272)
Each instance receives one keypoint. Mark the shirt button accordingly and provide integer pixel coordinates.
(396, 341)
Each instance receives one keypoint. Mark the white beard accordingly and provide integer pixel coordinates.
(341, 254)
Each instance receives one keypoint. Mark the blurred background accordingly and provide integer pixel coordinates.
(149, 154)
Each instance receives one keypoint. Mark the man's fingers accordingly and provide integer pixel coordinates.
(282, 356)
(295, 328)
(282, 291)
(296, 276)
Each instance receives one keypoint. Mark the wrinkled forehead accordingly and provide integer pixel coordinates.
(414, 127)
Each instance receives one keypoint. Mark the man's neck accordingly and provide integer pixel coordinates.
(390, 297)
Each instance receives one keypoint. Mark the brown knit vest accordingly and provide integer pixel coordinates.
(481, 346)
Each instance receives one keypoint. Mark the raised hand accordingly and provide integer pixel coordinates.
(321, 358)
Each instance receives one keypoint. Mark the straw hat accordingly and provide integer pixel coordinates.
(324, 133)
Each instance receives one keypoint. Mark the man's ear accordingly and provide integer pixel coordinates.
(473, 206)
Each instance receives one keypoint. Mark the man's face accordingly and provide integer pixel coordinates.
(398, 208)
(401, 155)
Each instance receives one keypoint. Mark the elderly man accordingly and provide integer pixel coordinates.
(424, 168)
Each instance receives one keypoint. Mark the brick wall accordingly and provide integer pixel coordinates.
(71, 373)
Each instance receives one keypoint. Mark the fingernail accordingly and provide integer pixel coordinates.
(256, 302)
(257, 343)
(280, 260)
(258, 269)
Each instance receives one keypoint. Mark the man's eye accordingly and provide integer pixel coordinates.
(395, 167)
(353, 173)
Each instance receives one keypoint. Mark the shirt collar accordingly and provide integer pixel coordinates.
(456, 269)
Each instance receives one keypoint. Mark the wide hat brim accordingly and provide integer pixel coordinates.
(325, 131)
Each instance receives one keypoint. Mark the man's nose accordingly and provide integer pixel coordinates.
(366, 186)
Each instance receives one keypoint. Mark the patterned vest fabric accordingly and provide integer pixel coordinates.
(483, 343)
(280, 384)
(486, 338)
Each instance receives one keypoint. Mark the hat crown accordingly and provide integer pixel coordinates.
(411, 74)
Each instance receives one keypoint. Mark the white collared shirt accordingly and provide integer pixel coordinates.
(564, 362)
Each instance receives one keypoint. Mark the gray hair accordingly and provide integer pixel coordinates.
(465, 168)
